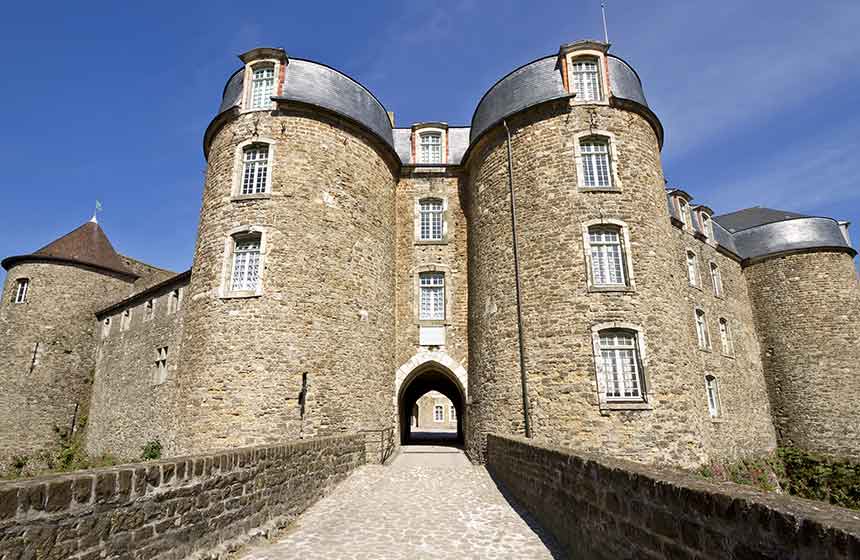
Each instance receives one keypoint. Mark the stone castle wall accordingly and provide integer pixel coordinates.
(133, 403)
(559, 310)
(806, 309)
(47, 352)
(326, 312)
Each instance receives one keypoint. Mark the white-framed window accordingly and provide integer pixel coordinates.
(160, 374)
(684, 211)
(702, 335)
(125, 320)
(596, 162)
(619, 364)
(438, 413)
(713, 393)
(430, 147)
(607, 255)
(585, 79)
(707, 225)
(452, 413)
(262, 86)
(22, 286)
(174, 300)
(245, 269)
(431, 219)
(726, 344)
(148, 309)
(255, 169)
(432, 296)
(716, 280)
(106, 327)
(692, 268)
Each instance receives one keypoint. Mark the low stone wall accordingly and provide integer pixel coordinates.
(170, 509)
(599, 507)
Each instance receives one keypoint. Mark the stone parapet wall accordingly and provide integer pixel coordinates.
(170, 509)
(603, 508)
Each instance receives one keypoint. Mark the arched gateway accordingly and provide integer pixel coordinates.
(430, 371)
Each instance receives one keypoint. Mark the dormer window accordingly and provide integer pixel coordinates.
(707, 224)
(684, 211)
(585, 79)
(430, 147)
(262, 86)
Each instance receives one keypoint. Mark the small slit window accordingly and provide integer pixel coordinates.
(431, 218)
(620, 365)
(596, 164)
(160, 374)
(713, 394)
(432, 297)
(726, 338)
(716, 280)
(702, 335)
(245, 274)
(106, 327)
(262, 86)
(125, 320)
(255, 169)
(586, 79)
(430, 147)
(22, 286)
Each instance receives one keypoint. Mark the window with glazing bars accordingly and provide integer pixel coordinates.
(596, 170)
(262, 86)
(439, 413)
(713, 396)
(256, 169)
(619, 358)
(586, 80)
(707, 226)
(246, 264)
(692, 268)
(452, 414)
(725, 338)
(430, 227)
(432, 286)
(22, 286)
(683, 210)
(607, 256)
(716, 280)
(430, 147)
(702, 330)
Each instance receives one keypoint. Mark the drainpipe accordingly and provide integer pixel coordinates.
(523, 377)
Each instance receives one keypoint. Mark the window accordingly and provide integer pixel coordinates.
(430, 147)
(106, 327)
(246, 264)
(173, 301)
(596, 167)
(148, 309)
(160, 375)
(726, 338)
(586, 80)
(439, 413)
(713, 396)
(431, 220)
(716, 280)
(255, 169)
(125, 320)
(693, 268)
(432, 304)
(702, 330)
(22, 286)
(607, 256)
(262, 86)
(683, 211)
(452, 414)
(707, 226)
(619, 364)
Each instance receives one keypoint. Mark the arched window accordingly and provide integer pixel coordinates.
(716, 280)
(619, 365)
(262, 86)
(693, 268)
(585, 73)
(245, 270)
(22, 286)
(713, 394)
(726, 344)
(255, 169)
(106, 327)
(607, 256)
(596, 164)
(430, 147)
(430, 215)
(684, 211)
(707, 225)
(702, 335)
(432, 296)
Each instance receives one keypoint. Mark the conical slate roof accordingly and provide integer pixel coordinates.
(87, 245)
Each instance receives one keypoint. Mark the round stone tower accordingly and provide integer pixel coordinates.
(806, 303)
(46, 335)
(585, 162)
(289, 328)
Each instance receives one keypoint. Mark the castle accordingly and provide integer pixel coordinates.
(345, 266)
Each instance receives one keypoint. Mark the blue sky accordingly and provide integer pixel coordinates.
(109, 100)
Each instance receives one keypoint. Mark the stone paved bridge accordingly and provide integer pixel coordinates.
(431, 502)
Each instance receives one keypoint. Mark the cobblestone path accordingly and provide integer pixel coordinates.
(429, 503)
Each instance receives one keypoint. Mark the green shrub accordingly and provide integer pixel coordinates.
(818, 477)
(765, 473)
(152, 450)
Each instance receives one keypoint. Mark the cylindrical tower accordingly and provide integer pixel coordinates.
(289, 327)
(806, 301)
(46, 336)
(585, 157)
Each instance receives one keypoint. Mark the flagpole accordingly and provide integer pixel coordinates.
(605, 31)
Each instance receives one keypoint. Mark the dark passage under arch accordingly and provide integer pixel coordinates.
(430, 377)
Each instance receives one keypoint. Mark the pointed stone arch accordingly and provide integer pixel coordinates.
(424, 359)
